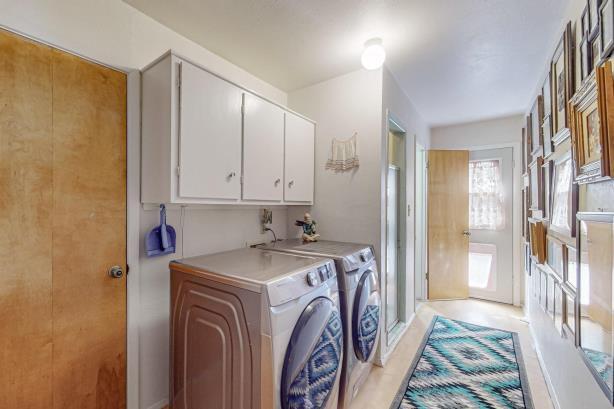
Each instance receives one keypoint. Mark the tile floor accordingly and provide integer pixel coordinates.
(383, 383)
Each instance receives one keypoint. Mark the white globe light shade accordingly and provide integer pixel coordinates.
(374, 55)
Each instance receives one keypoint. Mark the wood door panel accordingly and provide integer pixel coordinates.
(89, 228)
(26, 153)
(448, 217)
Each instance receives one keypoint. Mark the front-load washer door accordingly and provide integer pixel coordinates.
(313, 358)
(366, 316)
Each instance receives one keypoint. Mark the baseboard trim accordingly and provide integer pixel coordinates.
(542, 364)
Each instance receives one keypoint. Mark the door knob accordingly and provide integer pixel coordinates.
(277, 182)
(466, 233)
(116, 272)
(291, 183)
(231, 175)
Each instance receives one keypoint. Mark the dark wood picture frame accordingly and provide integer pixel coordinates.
(546, 127)
(599, 218)
(593, 17)
(537, 135)
(585, 59)
(571, 258)
(561, 72)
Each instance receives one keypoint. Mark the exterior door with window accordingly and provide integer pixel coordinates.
(491, 225)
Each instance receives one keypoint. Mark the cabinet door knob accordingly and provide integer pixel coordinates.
(466, 233)
(277, 181)
(291, 183)
(231, 175)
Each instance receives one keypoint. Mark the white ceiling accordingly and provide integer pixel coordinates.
(458, 60)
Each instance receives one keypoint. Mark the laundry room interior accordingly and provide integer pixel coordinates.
(213, 204)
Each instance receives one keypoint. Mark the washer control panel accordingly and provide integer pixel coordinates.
(320, 275)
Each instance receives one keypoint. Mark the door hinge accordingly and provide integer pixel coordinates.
(426, 166)
(178, 170)
(426, 276)
(408, 210)
(243, 107)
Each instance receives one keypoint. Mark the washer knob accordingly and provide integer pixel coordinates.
(312, 279)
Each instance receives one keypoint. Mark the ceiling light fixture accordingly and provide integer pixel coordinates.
(374, 55)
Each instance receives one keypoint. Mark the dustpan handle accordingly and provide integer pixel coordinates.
(163, 231)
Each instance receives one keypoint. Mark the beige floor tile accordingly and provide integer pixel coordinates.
(383, 383)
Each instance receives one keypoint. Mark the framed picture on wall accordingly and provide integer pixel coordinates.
(537, 232)
(525, 150)
(592, 125)
(550, 281)
(595, 46)
(547, 185)
(562, 83)
(585, 62)
(585, 25)
(571, 273)
(595, 244)
(558, 307)
(555, 259)
(593, 17)
(564, 197)
(536, 185)
(547, 121)
(569, 314)
(537, 137)
(606, 28)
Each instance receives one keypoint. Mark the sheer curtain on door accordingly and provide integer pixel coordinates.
(486, 199)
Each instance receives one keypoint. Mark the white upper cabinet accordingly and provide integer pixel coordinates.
(299, 159)
(206, 140)
(263, 150)
(209, 135)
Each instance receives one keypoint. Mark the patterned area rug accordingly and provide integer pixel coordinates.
(461, 365)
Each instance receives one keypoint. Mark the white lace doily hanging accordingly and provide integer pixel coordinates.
(343, 154)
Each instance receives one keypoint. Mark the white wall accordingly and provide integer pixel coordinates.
(347, 204)
(115, 34)
(491, 132)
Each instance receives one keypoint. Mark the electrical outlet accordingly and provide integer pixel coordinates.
(266, 217)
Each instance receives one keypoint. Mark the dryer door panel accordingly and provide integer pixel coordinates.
(366, 316)
(313, 358)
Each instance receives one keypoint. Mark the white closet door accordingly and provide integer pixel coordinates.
(299, 159)
(209, 136)
(263, 150)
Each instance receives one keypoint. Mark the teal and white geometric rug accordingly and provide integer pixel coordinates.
(461, 365)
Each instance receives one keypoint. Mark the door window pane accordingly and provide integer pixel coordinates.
(486, 201)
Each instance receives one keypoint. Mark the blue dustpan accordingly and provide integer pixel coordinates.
(161, 240)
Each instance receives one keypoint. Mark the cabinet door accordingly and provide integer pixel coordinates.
(209, 136)
(299, 159)
(263, 150)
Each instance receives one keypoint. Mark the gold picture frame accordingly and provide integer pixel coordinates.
(592, 120)
(561, 74)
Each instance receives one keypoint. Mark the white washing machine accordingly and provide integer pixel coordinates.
(360, 305)
(255, 329)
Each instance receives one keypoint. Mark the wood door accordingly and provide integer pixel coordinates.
(448, 222)
(299, 159)
(63, 178)
(209, 136)
(263, 150)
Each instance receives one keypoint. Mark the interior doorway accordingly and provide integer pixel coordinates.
(491, 224)
(396, 231)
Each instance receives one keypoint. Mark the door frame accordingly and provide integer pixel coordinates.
(406, 314)
(517, 279)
